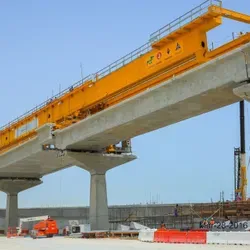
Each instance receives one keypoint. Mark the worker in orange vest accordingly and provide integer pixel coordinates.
(163, 226)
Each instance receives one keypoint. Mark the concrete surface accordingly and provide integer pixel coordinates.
(11, 219)
(243, 91)
(98, 213)
(15, 186)
(102, 244)
(12, 187)
(95, 163)
(98, 165)
(202, 89)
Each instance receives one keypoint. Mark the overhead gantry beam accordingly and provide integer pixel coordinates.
(237, 16)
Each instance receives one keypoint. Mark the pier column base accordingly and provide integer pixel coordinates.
(12, 186)
(98, 212)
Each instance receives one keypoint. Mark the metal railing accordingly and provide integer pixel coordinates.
(124, 60)
(183, 20)
(178, 23)
(98, 75)
(42, 105)
(235, 35)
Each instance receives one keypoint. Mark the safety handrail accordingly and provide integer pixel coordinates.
(98, 75)
(183, 20)
(43, 104)
(124, 60)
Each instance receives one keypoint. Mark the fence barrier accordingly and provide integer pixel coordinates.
(228, 238)
(146, 235)
(175, 236)
(194, 237)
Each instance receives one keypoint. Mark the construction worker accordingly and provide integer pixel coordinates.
(212, 222)
(205, 223)
(163, 226)
(201, 224)
(176, 210)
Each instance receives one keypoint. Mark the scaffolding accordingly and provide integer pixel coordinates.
(188, 216)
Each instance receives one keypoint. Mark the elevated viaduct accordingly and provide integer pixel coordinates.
(172, 78)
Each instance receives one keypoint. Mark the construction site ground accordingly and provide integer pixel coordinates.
(61, 243)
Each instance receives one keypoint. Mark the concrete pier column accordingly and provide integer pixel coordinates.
(12, 210)
(98, 211)
(97, 164)
(12, 186)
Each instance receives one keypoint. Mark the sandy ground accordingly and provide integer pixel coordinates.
(60, 243)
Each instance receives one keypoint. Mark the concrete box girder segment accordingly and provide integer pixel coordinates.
(197, 91)
(25, 160)
(243, 91)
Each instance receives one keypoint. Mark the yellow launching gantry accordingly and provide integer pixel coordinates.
(172, 50)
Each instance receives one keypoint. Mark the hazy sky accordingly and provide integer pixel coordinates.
(42, 44)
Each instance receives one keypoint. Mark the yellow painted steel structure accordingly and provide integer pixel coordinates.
(243, 182)
(173, 49)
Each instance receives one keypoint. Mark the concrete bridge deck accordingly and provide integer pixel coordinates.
(203, 89)
(200, 90)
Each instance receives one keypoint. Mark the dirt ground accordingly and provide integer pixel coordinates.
(60, 243)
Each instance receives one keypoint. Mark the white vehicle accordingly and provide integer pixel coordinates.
(78, 230)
